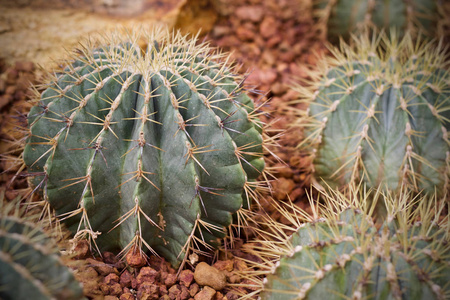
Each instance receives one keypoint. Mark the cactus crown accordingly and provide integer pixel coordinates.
(380, 110)
(341, 254)
(30, 266)
(155, 146)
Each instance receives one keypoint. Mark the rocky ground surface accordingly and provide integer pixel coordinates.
(273, 41)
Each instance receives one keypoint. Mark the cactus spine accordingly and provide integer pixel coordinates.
(342, 17)
(30, 266)
(341, 254)
(146, 147)
(379, 111)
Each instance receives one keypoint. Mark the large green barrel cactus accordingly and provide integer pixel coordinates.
(30, 266)
(146, 147)
(379, 111)
(342, 17)
(341, 254)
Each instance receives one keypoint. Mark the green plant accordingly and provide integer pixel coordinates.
(146, 146)
(30, 265)
(342, 17)
(342, 254)
(379, 112)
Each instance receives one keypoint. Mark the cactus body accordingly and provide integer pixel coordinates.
(146, 148)
(340, 253)
(343, 17)
(380, 116)
(30, 267)
(361, 262)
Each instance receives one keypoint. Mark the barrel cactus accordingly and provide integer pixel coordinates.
(342, 254)
(30, 265)
(342, 17)
(379, 112)
(150, 147)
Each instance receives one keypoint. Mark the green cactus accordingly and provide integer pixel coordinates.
(30, 266)
(146, 147)
(342, 254)
(342, 17)
(379, 111)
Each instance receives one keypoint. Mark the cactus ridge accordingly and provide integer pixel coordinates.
(379, 110)
(340, 253)
(146, 147)
(30, 266)
(342, 17)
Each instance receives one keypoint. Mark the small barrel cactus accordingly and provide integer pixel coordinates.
(342, 254)
(379, 111)
(342, 17)
(153, 148)
(30, 266)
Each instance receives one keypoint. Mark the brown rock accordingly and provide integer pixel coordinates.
(220, 30)
(233, 278)
(297, 194)
(2, 86)
(193, 289)
(147, 275)
(11, 76)
(104, 288)
(4, 100)
(184, 293)
(224, 265)
(284, 171)
(110, 258)
(218, 296)
(245, 34)
(135, 259)
(282, 187)
(268, 57)
(170, 280)
(274, 41)
(268, 27)
(126, 296)
(163, 290)
(229, 295)
(104, 269)
(115, 289)
(206, 293)
(186, 277)
(240, 265)
(148, 291)
(90, 279)
(11, 194)
(109, 297)
(206, 275)
(125, 279)
(24, 66)
(251, 13)
(174, 291)
(10, 90)
(24, 81)
(268, 76)
(81, 249)
(111, 278)
(228, 41)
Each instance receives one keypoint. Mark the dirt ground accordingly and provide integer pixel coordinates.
(273, 41)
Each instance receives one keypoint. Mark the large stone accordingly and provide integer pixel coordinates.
(206, 275)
